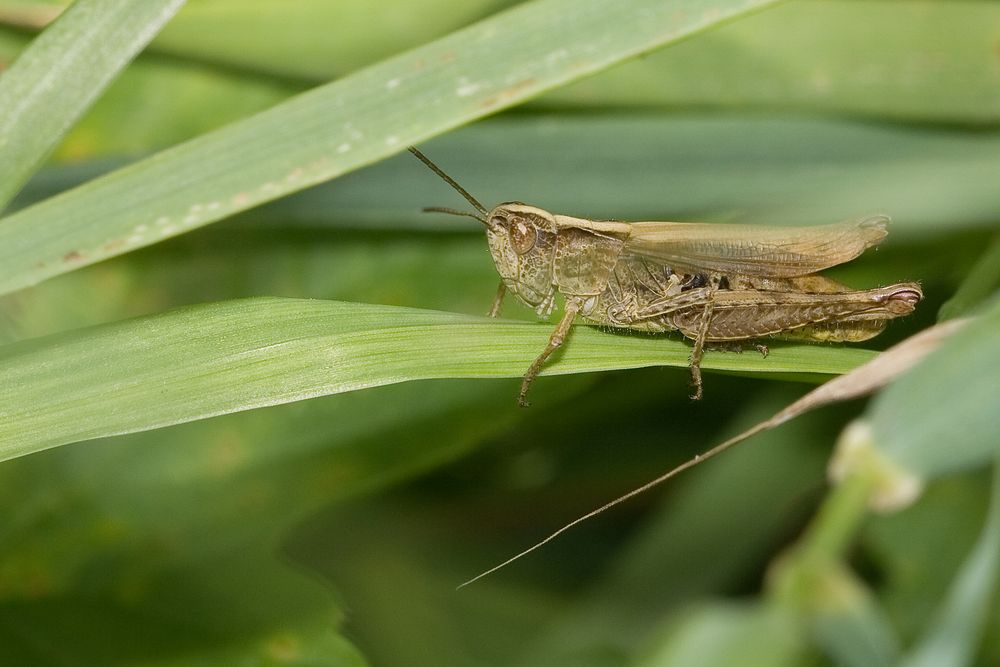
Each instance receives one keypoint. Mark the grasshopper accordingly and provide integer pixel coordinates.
(713, 283)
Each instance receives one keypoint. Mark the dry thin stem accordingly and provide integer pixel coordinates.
(862, 380)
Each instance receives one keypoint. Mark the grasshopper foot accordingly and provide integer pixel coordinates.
(736, 347)
(728, 346)
(696, 383)
(522, 396)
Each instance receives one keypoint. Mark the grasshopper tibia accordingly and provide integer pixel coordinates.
(555, 341)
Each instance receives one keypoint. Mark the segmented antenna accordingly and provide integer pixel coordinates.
(452, 211)
(450, 181)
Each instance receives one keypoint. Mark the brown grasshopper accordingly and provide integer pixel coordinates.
(712, 283)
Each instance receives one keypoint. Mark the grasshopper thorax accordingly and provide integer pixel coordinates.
(522, 241)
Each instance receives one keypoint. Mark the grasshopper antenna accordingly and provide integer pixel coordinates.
(690, 463)
(451, 211)
(451, 181)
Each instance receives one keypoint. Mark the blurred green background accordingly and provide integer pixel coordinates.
(333, 531)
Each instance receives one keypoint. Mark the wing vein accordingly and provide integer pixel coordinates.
(752, 250)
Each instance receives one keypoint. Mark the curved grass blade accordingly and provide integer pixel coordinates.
(62, 72)
(941, 416)
(882, 58)
(911, 59)
(680, 166)
(213, 359)
(957, 630)
(982, 280)
(344, 125)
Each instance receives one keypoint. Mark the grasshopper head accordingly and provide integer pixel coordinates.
(522, 241)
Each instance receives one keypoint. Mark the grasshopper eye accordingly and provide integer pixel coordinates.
(522, 236)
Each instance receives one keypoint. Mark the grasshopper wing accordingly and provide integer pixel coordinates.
(778, 252)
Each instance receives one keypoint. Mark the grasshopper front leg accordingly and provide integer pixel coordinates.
(498, 300)
(555, 341)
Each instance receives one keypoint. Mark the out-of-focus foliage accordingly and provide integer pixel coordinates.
(333, 531)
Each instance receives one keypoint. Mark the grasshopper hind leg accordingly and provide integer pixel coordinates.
(698, 351)
(694, 362)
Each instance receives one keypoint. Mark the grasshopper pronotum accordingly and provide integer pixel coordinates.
(713, 283)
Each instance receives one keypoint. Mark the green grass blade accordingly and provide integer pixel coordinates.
(885, 58)
(912, 59)
(982, 280)
(293, 39)
(851, 627)
(941, 416)
(956, 633)
(190, 487)
(681, 166)
(60, 75)
(744, 168)
(727, 634)
(342, 126)
(218, 358)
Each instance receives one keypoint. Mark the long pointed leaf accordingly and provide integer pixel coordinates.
(60, 75)
(956, 632)
(213, 359)
(342, 126)
(941, 416)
